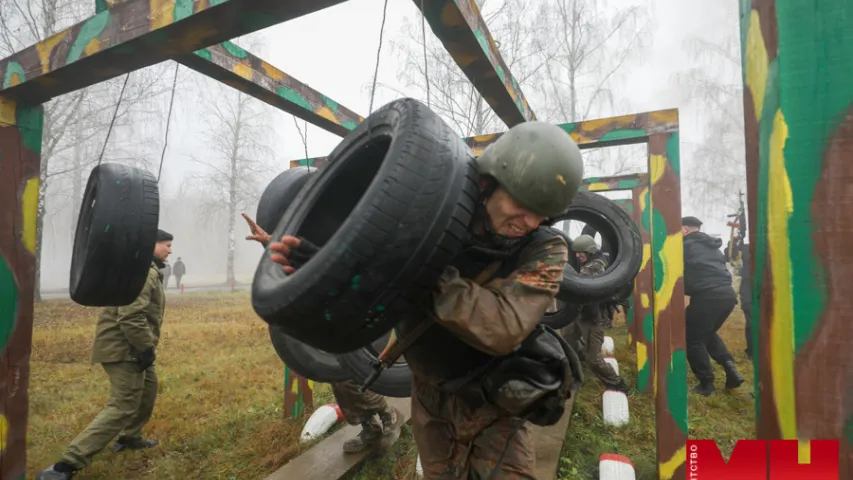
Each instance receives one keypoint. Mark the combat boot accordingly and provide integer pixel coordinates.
(392, 421)
(125, 443)
(733, 377)
(367, 438)
(57, 471)
(704, 388)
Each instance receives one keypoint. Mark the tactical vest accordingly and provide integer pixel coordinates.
(439, 355)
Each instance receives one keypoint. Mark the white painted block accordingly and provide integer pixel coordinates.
(607, 346)
(613, 363)
(615, 467)
(321, 421)
(419, 469)
(615, 408)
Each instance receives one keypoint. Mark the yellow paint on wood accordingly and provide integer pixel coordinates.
(242, 70)
(162, 13)
(7, 112)
(45, 47)
(273, 72)
(647, 254)
(643, 195)
(4, 430)
(29, 213)
(328, 114)
(604, 123)
(664, 116)
(598, 186)
(657, 167)
(642, 355)
(93, 46)
(645, 300)
(804, 452)
(757, 63)
(667, 469)
(779, 208)
(672, 258)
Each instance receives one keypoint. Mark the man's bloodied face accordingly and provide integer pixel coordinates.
(508, 217)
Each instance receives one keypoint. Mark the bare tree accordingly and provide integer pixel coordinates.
(717, 166)
(451, 94)
(238, 134)
(80, 117)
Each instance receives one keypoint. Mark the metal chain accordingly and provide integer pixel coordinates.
(168, 121)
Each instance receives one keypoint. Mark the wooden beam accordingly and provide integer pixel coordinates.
(619, 182)
(601, 132)
(133, 35)
(463, 32)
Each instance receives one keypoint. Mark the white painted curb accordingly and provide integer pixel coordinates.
(615, 408)
(607, 346)
(321, 421)
(613, 363)
(615, 467)
(419, 469)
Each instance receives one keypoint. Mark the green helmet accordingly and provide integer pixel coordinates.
(538, 164)
(585, 244)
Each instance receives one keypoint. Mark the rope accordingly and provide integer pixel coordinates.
(168, 121)
(426, 62)
(378, 53)
(304, 138)
(113, 121)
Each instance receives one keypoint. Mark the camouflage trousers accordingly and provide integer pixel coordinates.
(132, 396)
(358, 408)
(461, 436)
(586, 338)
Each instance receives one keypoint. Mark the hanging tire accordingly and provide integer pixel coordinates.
(307, 361)
(389, 212)
(395, 382)
(279, 194)
(115, 236)
(623, 237)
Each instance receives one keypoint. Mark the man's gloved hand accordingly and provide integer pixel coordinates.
(146, 358)
(303, 253)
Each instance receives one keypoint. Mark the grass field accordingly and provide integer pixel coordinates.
(219, 413)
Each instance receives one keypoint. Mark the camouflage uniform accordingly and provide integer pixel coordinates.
(363, 409)
(586, 334)
(459, 434)
(121, 334)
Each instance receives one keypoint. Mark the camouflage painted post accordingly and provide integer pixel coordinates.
(644, 325)
(798, 112)
(668, 269)
(20, 157)
(298, 394)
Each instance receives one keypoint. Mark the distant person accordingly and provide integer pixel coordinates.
(179, 270)
(380, 423)
(708, 283)
(166, 271)
(125, 340)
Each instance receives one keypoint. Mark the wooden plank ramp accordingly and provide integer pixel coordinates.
(327, 461)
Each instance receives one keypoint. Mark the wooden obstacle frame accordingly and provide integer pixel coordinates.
(126, 35)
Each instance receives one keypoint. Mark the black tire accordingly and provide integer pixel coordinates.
(279, 194)
(623, 236)
(395, 382)
(389, 212)
(307, 361)
(115, 236)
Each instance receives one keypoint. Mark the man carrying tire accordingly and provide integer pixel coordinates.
(485, 305)
(380, 423)
(587, 332)
(712, 298)
(125, 340)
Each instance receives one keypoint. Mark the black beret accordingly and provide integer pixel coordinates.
(163, 236)
(691, 222)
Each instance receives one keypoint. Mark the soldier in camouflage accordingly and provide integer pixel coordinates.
(125, 340)
(586, 334)
(530, 174)
(380, 423)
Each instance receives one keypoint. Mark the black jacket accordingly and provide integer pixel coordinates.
(705, 273)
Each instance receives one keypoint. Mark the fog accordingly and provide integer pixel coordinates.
(632, 57)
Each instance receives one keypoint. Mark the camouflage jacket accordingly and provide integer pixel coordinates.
(123, 332)
(593, 313)
(475, 323)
